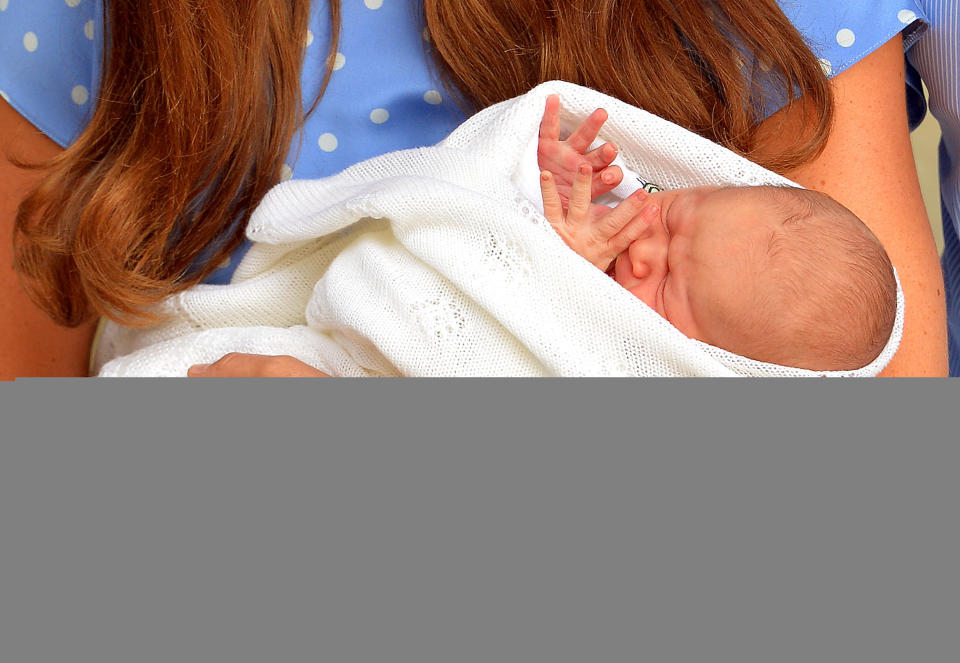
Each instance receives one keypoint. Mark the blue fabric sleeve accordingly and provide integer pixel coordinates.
(49, 62)
(842, 33)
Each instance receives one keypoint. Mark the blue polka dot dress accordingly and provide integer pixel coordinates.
(842, 33)
(383, 95)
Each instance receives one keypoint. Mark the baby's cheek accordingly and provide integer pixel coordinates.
(646, 292)
(685, 314)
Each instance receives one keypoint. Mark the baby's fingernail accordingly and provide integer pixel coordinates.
(584, 168)
(544, 175)
(197, 369)
(607, 177)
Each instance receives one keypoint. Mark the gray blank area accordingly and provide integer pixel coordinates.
(449, 521)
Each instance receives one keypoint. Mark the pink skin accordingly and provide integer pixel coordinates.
(697, 264)
(562, 158)
(596, 232)
(687, 253)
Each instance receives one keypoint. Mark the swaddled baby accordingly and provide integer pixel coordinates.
(777, 274)
(426, 262)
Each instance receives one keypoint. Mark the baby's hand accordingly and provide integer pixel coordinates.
(562, 158)
(599, 238)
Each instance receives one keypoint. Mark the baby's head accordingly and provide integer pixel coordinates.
(778, 274)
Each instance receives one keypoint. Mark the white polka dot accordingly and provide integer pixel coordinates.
(826, 66)
(432, 97)
(373, 4)
(80, 95)
(72, 3)
(906, 16)
(30, 41)
(3, 5)
(88, 29)
(845, 37)
(338, 61)
(327, 142)
(286, 172)
(379, 115)
(309, 38)
(2, 93)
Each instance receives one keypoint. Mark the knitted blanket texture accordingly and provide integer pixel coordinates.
(432, 262)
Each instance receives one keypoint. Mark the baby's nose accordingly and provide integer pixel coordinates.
(648, 256)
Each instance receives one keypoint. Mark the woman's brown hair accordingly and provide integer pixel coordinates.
(198, 105)
(200, 100)
(689, 61)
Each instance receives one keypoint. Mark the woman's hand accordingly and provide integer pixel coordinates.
(237, 365)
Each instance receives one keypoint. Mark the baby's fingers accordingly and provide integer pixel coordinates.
(637, 226)
(602, 156)
(606, 180)
(550, 124)
(552, 206)
(580, 195)
(581, 139)
(617, 218)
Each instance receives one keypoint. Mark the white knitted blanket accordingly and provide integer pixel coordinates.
(430, 262)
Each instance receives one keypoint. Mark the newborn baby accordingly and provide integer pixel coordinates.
(777, 274)
(426, 262)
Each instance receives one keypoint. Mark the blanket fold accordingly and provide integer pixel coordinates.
(432, 262)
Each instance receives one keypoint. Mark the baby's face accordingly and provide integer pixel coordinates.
(697, 267)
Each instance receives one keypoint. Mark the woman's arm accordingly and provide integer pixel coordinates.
(30, 343)
(868, 166)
